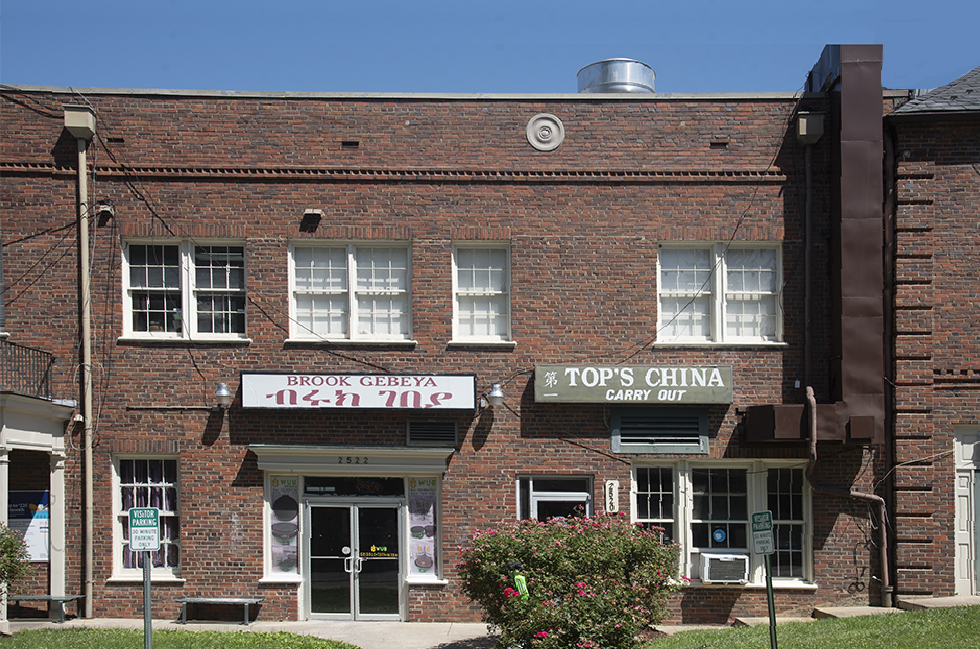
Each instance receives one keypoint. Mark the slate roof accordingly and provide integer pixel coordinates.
(962, 95)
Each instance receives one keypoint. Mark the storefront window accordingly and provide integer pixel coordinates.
(655, 499)
(706, 510)
(786, 504)
(720, 509)
(553, 496)
(353, 486)
(284, 526)
(422, 498)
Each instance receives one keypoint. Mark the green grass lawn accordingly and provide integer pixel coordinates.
(81, 638)
(949, 628)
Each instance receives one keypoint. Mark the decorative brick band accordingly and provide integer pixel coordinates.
(430, 175)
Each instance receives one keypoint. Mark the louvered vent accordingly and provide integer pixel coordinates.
(432, 433)
(660, 430)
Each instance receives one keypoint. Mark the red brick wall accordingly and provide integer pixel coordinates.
(937, 342)
(583, 222)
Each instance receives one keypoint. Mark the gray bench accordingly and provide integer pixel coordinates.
(245, 601)
(57, 599)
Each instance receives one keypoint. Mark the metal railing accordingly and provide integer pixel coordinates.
(25, 370)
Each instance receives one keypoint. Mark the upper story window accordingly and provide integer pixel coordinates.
(719, 293)
(350, 292)
(184, 290)
(481, 288)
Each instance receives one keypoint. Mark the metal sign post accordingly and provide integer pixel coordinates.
(763, 543)
(144, 537)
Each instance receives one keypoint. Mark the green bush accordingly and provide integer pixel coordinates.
(593, 583)
(15, 562)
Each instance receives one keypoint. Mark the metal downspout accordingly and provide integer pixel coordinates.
(891, 183)
(886, 594)
(83, 244)
(808, 247)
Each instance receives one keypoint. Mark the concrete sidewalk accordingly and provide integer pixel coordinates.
(366, 635)
(439, 635)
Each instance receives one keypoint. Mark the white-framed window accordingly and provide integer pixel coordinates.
(706, 507)
(544, 497)
(654, 500)
(481, 292)
(785, 495)
(146, 481)
(350, 292)
(184, 290)
(719, 292)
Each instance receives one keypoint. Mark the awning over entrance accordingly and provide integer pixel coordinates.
(352, 460)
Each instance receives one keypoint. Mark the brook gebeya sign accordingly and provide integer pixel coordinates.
(376, 391)
(633, 384)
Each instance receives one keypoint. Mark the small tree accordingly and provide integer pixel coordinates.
(15, 561)
(592, 583)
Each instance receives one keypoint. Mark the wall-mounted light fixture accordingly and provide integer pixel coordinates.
(223, 396)
(809, 127)
(311, 220)
(105, 211)
(495, 396)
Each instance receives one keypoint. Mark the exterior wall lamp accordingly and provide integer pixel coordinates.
(311, 220)
(223, 396)
(495, 396)
(105, 211)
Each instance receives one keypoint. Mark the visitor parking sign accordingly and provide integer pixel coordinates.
(144, 529)
(762, 537)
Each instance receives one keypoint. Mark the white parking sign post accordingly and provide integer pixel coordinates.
(144, 536)
(763, 543)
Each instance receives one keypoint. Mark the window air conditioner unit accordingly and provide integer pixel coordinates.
(724, 568)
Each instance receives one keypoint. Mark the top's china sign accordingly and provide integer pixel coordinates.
(633, 384)
(376, 391)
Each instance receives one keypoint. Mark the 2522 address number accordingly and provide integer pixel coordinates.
(350, 459)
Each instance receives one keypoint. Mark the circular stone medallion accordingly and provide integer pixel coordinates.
(545, 132)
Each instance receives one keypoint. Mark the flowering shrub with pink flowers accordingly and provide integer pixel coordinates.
(593, 583)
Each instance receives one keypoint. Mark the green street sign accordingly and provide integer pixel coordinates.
(144, 529)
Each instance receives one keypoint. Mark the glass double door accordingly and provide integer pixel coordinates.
(354, 560)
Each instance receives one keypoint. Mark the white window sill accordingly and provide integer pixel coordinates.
(156, 579)
(283, 579)
(418, 580)
(461, 344)
(789, 584)
(351, 341)
(185, 341)
(721, 344)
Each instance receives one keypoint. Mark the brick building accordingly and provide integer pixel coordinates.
(439, 313)
(933, 201)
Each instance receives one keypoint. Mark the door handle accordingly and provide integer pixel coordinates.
(348, 564)
(360, 565)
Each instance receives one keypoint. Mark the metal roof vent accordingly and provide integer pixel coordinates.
(616, 75)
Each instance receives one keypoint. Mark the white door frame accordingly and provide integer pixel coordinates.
(966, 445)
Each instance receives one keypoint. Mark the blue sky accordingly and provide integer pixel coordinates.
(461, 46)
